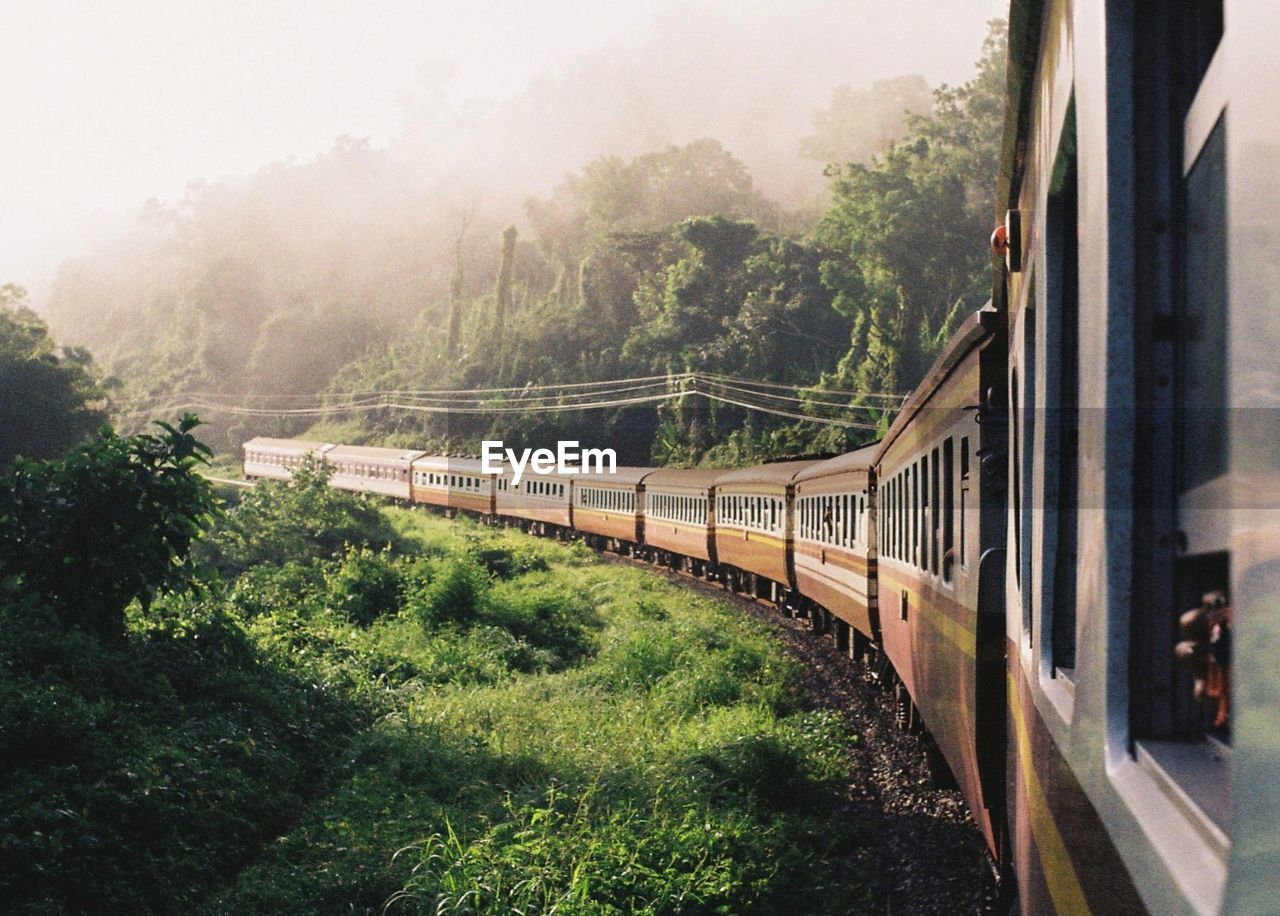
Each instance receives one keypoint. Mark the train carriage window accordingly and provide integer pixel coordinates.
(890, 518)
(896, 543)
(948, 510)
(897, 518)
(1015, 487)
(924, 512)
(935, 516)
(915, 515)
(893, 519)
(1181, 619)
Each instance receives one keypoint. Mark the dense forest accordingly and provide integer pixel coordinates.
(314, 282)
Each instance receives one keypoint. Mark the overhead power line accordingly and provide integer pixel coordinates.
(554, 398)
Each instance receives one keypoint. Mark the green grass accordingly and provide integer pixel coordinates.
(469, 721)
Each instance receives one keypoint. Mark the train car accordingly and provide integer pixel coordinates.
(365, 469)
(453, 484)
(834, 550)
(1139, 182)
(278, 458)
(608, 508)
(754, 527)
(679, 526)
(939, 497)
(540, 503)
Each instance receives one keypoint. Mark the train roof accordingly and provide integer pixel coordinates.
(292, 445)
(622, 475)
(372, 453)
(971, 332)
(444, 463)
(859, 460)
(683, 478)
(780, 473)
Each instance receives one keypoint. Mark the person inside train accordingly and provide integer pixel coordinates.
(1206, 650)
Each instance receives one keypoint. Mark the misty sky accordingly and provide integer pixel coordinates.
(106, 105)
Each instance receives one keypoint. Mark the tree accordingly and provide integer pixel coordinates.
(502, 290)
(456, 281)
(907, 233)
(52, 397)
(861, 124)
(111, 523)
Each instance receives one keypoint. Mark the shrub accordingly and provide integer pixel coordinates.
(456, 594)
(504, 561)
(547, 613)
(111, 523)
(364, 586)
(300, 519)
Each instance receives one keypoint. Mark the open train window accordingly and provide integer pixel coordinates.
(915, 516)
(935, 513)
(1062, 367)
(925, 512)
(1181, 620)
(948, 510)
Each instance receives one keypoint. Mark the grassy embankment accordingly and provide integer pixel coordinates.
(465, 721)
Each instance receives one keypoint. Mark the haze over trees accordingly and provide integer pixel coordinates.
(53, 397)
(347, 274)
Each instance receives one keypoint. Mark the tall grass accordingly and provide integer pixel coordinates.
(649, 753)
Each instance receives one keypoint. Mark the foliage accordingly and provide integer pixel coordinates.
(53, 398)
(906, 234)
(670, 263)
(665, 262)
(139, 775)
(111, 523)
(862, 124)
(302, 519)
(527, 723)
(612, 780)
(363, 586)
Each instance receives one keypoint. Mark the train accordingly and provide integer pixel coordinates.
(1048, 552)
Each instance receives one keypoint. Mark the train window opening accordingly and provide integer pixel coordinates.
(936, 514)
(1180, 678)
(914, 558)
(948, 510)
(1015, 493)
(1200, 624)
(897, 517)
(1063, 364)
(898, 550)
(926, 512)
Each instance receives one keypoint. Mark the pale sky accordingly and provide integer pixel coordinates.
(107, 104)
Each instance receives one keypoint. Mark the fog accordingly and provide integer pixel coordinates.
(471, 104)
